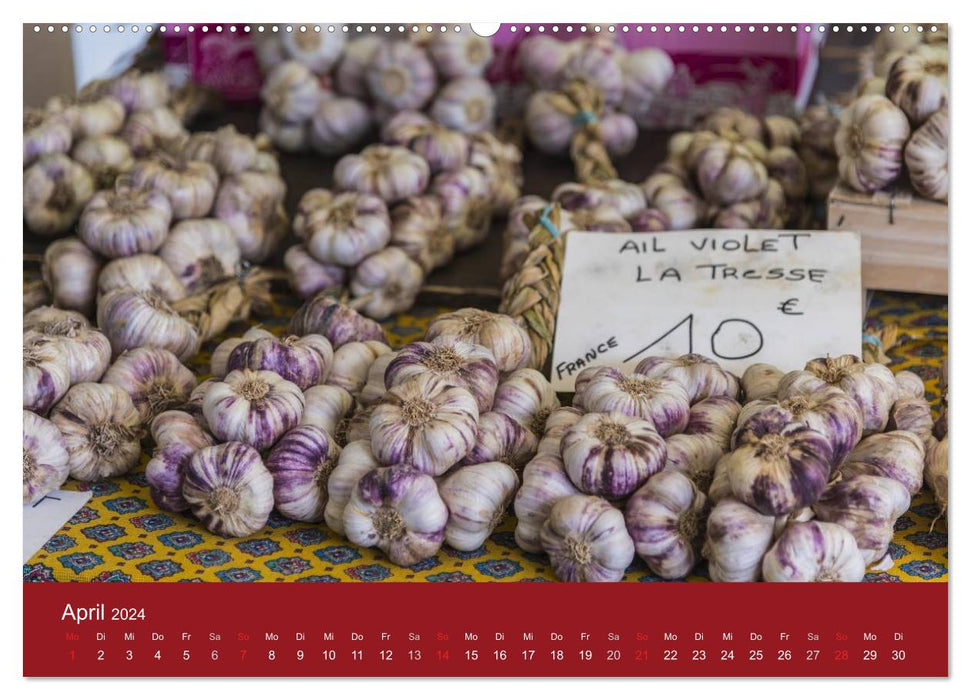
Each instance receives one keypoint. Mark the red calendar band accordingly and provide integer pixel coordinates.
(459, 629)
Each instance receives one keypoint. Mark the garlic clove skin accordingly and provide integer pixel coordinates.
(101, 429)
(814, 551)
(665, 519)
(661, 402)
(714, 417)
(301, 464)
(527, 397)
(926, 156)
(909, 385)
(694, 456)
(700, 376)
(355, 461)
(779, 473)
(897, 455)
(460, 54)
(201, 252)
(347, 229)
(177, 436)
(426, 423)
(461, 364)
(325, 407)
(219, 360)
(46, 375)
(374, 387)
(646, 73)
(144, 272)
(304, 361)
(133, 319)
(352, 362)
(867, 506)
(918, 82)
(736, 539)
(55, 191)
(477, 497)
(70, 271)
(465, 104)
(255, 408)
(501, 439)
(586, 539)
(386, 283)
(340, 324)
(392, 173)
(118, 224)
(870, 143)
(229, 489)
(545, 483)
(401, 76)
(611, 454)
(559, 421)
(45, 457)
(154, 379)
(398, 510)
(338, 125)
(508, 341)
(761, 381)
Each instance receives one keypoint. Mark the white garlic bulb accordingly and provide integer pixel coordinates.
(392, 173)
(619, 133)
(695, 456)
(661, 402)
(527, 397)
(624, 198)
(414, 223)
(144, 272)
(465, 104)
(599, 63)
(137, 90)
(311, 202)
(499, 438)
(178, 436)
(814, 551)
(55, 191)
(350, 227)
(665, 518)
(70, 271)
(736, 539)
(292, 137)
(477, 497)
(587, 540)
(350, 75)
(918, 82)
(304, 360)
(251, 204)
(442, 148)
(646, 73)
(291, 91)
(374, 387)
(190, 185)
(506, 339)
(926, 155)
(729, 172)
(148, 130)
(131, 319)
(898, 455)
(457, 363)
(545, 482)
(125, 222)
(301, 464)
(700, 376)
(318, 50)
(386, 283)
(81, 349)
(44, 134)
(542, 59)
(325, 406)
(466, 206)
(219, 360)
(550, 127)
(105, 157)
(870, 143)
(459, 54)
(101, 429)
(501, 162)
(307, 276)
(201, 252)
(355, 461)
(45, 372)
(45, 457)
(761, 381)
(401, 76)
(671, 196)
(255, 408)
(351, 364)
(338, 125)
(559, 421)
(154, 379)
(94, 116)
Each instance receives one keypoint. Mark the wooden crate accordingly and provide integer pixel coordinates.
(904, 238)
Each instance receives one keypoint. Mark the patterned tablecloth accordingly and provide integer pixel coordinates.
(121, 536)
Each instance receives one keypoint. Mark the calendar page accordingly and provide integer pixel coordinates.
(338, 323)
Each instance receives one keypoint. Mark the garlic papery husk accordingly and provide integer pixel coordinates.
(661, 402)
(219, 360)
(465, 104)
(305, 361)
(559, 421)
(355, 461)
(870, 142)
(926, 155)
(256, 408)
(666, 519)
(318, 50)
(352, 361)
(291, 91)
(714, 417)
(580, 386)
(623, 197)
(177, 437)
(46, 318)
(599, 63)
(646, 73)
(229, 489)
(936, 471)
(137, 90)
(647, 220)
(148, 130)
(413, 225)
(619, 133)
(761, 381)
(291, 137)
(870, 384)
(251, 203)
(95, 116)
(44, 134)
(46, 374)
(814, 551)
(501, 162)
(400, 76)
(386, 283)
(424, 422)
(466, 207)
(392, 173)
(477, 497)
(829, 411)
(350, 75)
(348, 229)
(506, 339)
(340, 324)
(154, 379)
(736, 539)
(700, 376)
(909, 385)
(201, 252)
(55, 191)
(307, 276)
(325, 407)
(398, 510)
(729, 172)
(338, 125)
(550, 128)
(125, 222)
(227, 150)
(499, 438)
(786, 167)
(82, 350)
(441, 147)
(45, 457)
(867, 506)
(456, 362)
(670, 195)
(767, 211)
(912, 415)
(70, 271)
(301, 464)
(694, 456)
(527, 397)
(310, 203)
(542, 58)
(374, 387)
(897, 455)
(35, 294)
(131, 319)
(780, 131)
(612, 454)
(586, 540)
(101, 429)
(732, 123)
(545, 482)
(918, 82)
(460, 53)
(144, 272)
(189, 185)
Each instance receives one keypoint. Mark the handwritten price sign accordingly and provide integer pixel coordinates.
(740, 297)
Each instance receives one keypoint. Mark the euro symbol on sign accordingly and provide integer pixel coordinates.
(788, 307)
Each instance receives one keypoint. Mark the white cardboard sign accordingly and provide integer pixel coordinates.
(739, 297)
